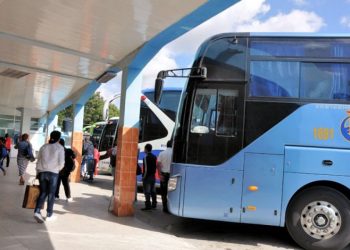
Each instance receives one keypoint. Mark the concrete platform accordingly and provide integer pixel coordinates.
(87, 224)
(84, 223)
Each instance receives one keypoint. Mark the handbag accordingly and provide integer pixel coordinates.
(31, 195)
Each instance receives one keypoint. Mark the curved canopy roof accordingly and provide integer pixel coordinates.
(51, 50)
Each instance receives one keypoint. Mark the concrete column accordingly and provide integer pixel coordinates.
(77, 139)
(51, 125)
(25, 120)
(128, 134)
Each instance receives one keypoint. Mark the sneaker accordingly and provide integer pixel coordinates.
(38, 217)
(69, 199)
(51, 218)
(57, 198)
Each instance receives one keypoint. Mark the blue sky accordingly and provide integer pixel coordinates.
(315, 16)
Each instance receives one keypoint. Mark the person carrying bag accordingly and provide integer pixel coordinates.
(31, 195)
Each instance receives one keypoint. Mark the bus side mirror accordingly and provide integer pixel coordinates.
(158, 88)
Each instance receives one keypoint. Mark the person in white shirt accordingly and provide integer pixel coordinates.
(50, 162)
(163, 166)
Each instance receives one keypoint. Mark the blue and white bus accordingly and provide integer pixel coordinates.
(263, 136)
(156, 125)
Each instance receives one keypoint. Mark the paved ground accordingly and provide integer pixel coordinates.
(86, 223)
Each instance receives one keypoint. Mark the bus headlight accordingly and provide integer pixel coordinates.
(172, 183)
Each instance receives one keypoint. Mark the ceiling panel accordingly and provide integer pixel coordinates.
(64, 44)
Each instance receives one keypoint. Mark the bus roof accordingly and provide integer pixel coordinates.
(282, 34)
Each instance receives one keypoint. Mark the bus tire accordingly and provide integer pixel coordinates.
(319, 218)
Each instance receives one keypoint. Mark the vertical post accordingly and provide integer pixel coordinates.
(77, 139)
(25, 120)
(128, 134)
(51, 124)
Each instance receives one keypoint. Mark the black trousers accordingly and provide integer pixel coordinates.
(65, 181)
(164, 189)
(8, 158)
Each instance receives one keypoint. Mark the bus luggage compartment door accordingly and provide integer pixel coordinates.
(262, 189)
(212, 193)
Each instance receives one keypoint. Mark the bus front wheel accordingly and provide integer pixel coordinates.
(319, 218)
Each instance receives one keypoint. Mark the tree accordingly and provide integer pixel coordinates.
(113, 110)
(93, 111)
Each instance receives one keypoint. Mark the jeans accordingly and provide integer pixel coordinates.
(149, 190)
(48, 185)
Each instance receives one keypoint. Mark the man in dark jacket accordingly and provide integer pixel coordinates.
(149, 178)
(63, 176)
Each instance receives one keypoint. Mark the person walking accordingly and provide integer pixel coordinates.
(25, 153)
(63, 176)
(3, 154)
(88, 152)
(50, 162)
(163, 166)
(8, 143)
(149, 178)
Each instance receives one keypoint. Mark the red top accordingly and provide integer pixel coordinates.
(8, 143)
(96, 155)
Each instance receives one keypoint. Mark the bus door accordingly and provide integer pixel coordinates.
(215, 135)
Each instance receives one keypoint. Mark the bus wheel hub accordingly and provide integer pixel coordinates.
(320, 220)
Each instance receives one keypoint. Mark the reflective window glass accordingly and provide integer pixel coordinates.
(227, 112)
(300, 47)
(204, 105)
(226, 59)
(274, 79)
(326, 81)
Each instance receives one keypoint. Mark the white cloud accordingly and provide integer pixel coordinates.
(162, 61)
(300, 2)
(111, 88)
(227, 21)
(245, 16)
(248, 16)
(345, 21)
(295, 21)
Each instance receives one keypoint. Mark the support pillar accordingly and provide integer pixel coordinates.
(25, 120)
(77, 140)
(128, 135)
(51, 124)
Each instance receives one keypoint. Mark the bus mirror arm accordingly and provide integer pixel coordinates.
(158, 87)
(199, 72)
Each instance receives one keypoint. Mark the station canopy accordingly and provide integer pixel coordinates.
(50, 50)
